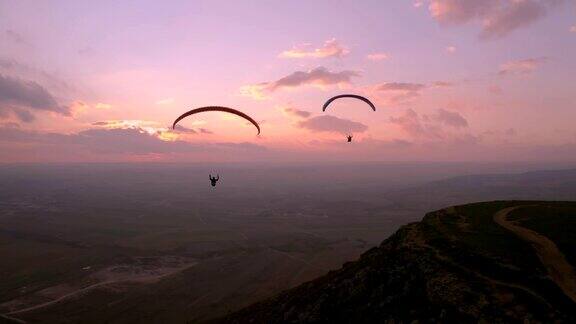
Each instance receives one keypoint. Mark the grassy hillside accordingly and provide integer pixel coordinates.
(458, 264)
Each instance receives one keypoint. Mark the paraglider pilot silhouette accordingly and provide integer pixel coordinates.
(327, 103)
(213, 180)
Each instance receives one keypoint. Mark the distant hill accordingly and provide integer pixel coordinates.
(501, 261)
(534, 185)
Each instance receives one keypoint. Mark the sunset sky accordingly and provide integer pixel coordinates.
(452, 80)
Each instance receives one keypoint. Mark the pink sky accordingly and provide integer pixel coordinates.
(453, 80)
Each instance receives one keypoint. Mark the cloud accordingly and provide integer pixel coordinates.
(101, 105)
(122, 141)
(152, 128)
(411, 123)
(514, 16)
(378, 56)
(165, 101)
(293, 112)
(126, 140)
(392, 93)
(460, 11)
(184, 130)
(29, 94)
(399, 86)
(17, 70)
(396, 92)
(327, 123)
(14, 36)
(331, 48)
(23, 115)
(518, 67)
(319, 76)
(432, 127)
(450, 118)
(498, 17)
(442, 84)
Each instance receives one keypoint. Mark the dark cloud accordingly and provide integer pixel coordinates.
(26, 72)
(397, 92)
(432, 127)
(127, 141)
(403, 92)
(7, 64)
(327, 123)
(24, 115)
(414, 125)
(514, 16)
(184, 130)
(15, 92)
(131, 141)
(498, 17)
(14, 36)
(318, 76)
(450, 118)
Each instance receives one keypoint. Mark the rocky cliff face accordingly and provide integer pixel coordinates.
(457, 265)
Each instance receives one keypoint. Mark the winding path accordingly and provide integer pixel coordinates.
(553, 260)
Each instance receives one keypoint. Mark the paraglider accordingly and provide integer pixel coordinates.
(213, 180)
(217, 108)
(327, 103)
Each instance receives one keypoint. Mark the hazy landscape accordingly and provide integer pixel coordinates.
(79, 238)
(206, 161)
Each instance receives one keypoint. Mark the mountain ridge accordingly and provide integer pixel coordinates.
(456, 265)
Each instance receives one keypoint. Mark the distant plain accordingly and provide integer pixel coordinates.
(78, 237)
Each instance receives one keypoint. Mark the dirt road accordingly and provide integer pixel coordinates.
(553, 260)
